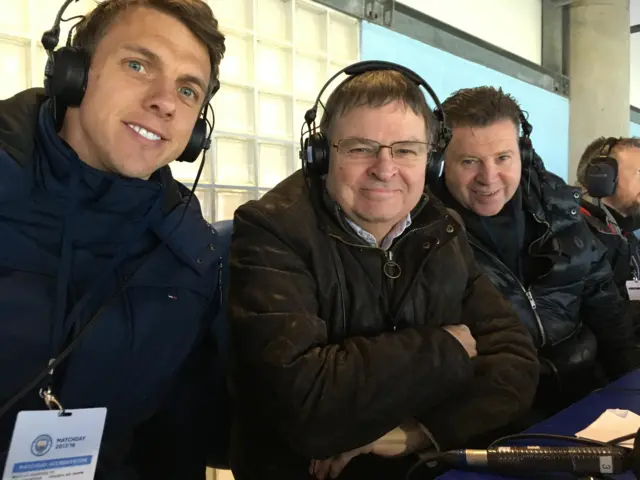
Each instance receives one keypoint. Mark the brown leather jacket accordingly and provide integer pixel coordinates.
(330, 353)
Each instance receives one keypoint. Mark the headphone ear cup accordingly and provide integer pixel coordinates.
(316, 154)
(601, 177)
(526, 151)
(69, 75)
(198, 142)
(435, 165)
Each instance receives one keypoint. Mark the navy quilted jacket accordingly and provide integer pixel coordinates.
(71, 238)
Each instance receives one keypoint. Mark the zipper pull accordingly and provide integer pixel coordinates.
(391, 269)
(531, 300)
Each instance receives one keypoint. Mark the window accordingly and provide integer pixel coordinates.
(279, 54)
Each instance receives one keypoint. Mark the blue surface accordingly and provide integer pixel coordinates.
(446, 73)
(623, 394)
(634, 129)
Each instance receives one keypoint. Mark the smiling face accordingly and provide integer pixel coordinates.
(377, 192)
(483, 166)
(146, 86)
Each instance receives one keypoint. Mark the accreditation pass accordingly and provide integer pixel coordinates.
(51, 444)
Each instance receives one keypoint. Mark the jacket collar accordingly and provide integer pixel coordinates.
(549, 198)
(606, 219)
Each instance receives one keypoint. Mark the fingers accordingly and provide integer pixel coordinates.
(331, 467)
(320, 468)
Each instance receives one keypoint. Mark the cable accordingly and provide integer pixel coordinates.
(549, 436)
(424, 458)
(73, 27)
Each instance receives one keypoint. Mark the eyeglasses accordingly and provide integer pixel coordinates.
(405, 152)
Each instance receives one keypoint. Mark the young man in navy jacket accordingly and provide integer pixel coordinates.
(102, 251)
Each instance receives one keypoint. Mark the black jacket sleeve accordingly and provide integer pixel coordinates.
(604, 311)
(505, 370)
(321, 398)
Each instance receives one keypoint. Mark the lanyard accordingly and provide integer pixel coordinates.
(62, 326)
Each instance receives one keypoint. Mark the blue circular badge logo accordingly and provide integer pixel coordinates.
(41, 445)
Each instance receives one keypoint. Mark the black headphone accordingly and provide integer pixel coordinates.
(66, 75)
(524, 142)
(314, 149)
(601, 174)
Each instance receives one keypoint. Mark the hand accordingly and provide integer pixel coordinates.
(463, 335)
(332, 466)
(404, 439)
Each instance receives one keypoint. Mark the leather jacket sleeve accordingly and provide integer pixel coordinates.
(505, 370)
(604, 312)
(321, 398)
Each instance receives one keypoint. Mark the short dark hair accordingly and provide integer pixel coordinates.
(196, 15)
(376, 89)
(481, 106)
(594, 149)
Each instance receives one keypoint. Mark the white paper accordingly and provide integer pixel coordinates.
(613, 423)
(633, 290)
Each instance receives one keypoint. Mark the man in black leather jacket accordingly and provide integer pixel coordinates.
(526, 230)
(609, 172)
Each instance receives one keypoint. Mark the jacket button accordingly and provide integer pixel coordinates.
(573, 211)
(212, 246)
(576, 195)
(198, 260)
(426, 245)
(449, 229)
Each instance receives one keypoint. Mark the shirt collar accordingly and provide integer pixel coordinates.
(395, 232)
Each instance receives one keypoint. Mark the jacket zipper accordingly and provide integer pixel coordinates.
(389, 255)
(392, 271)
(527, 292)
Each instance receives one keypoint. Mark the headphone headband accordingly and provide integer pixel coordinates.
(314, 151)
(527, 128)
(365, 66)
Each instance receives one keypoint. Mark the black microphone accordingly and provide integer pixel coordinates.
(579, 460)
(591, 460)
